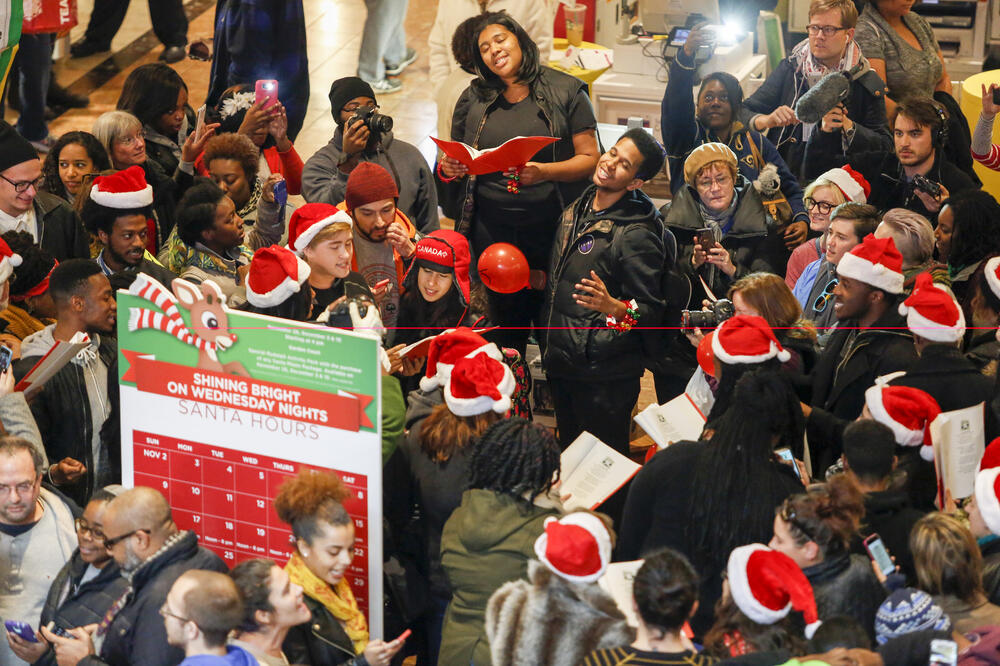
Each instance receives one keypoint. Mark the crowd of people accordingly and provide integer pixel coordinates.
(822, 292)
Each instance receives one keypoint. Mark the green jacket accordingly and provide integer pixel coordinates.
(393, 416)
(487, 542)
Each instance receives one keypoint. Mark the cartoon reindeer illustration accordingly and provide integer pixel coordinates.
(209, 330)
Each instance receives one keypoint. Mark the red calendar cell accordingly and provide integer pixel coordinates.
(151, 461)
(280, 544)
(252, 509)
(220, 531)
(158, 482)
(221, 503)
(185, 520)
(186, 467)
(251, 538)
(219, 474)
(186, 496)
(251, 479)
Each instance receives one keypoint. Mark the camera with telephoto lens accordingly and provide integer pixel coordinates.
(718, 312)
(925, 184)
(340, 315)
(377, 123)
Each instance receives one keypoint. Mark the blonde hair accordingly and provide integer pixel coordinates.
(946, 558)
(113, 125)
(823, 182)
(328, 232)
(848, 12)
(912, 233)
(770, 296)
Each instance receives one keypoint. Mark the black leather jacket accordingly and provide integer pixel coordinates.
(554, 92)
(846, 585)
(320, 642)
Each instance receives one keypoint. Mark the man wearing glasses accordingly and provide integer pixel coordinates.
(49, 219)
(139, 532)
(37, 535)
(200, 611)
(859, 122)
(324, 178)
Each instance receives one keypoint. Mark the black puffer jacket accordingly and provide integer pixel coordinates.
(865, 106)
(320, 642)
(623, 244)
(137, 635)
(59, 230)
(70, 606)
(846, 585)
(554, 93)
(746, 240)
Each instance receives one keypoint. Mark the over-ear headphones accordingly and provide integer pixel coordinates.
(940, 135)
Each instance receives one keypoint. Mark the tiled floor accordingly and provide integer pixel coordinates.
(334, 38)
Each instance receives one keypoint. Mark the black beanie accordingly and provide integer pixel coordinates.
(344, 90)
(14, 148)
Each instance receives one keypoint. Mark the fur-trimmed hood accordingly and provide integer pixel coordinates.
(550, 621)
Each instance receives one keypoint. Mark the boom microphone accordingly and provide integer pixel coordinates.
(819, 100)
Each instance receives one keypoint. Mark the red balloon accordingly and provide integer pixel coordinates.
(503, 268)
(706, 357)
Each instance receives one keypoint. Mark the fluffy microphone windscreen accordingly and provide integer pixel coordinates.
(830, 91)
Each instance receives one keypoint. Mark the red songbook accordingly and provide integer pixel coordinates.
(511, 153)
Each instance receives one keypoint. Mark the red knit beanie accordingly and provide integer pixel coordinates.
(369, 182)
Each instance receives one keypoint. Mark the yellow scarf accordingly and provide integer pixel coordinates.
(338, 600)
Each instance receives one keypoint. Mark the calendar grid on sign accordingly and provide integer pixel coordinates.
(227, 498)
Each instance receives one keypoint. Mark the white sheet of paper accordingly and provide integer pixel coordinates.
(675, 421)
(959, 441)
(591, 471)
(617, 582)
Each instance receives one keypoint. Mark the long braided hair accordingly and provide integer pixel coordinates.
(515, 457)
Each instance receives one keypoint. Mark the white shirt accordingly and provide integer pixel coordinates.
(23, 222)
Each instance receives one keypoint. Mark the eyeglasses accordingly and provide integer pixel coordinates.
(824, 206)
(820, 303)
(22, 185)
(166, 613)
(83, 527)
(22, 488)
(132, 139)
(827, 30)
(721, 181)
(109, 542)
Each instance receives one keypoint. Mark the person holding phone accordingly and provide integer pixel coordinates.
(312, 505)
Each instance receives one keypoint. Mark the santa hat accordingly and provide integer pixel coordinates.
(907, 411)
(876, 262)
(767, 585)
(9, 260)
(446, 349)
(275, 274)
(309, 220)
(851, 184)
(576, 547)
(478, 384)
(932, 312)
(123, 190)
(747, 339)
(988, 487)
(993, 275)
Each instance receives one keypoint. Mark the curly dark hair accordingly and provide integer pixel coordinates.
(486, 82)
(196, 210)
(36, 263)
(50, 167)
(463, 44)
(829, 515)
(234, 147)
(515, 457)
(312, 498)
(975, 235)
(151, 91)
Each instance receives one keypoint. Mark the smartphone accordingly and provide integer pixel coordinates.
(21, 629)
(705, 238)
(281, 193)
(878, 552)
(403, 636)
(943, 653)
(785, 454)
(199, 125)
(5, 357)
(381, 284)
(996, 95)
(266, 88)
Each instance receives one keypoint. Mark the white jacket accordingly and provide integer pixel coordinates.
(535, 16)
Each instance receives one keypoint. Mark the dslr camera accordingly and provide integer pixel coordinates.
(718, 312)
(377, 123)
(340, 316)
(925, 184)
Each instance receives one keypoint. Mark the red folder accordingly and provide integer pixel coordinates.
(512, 153)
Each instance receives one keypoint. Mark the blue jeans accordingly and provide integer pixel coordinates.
(34, 59)
(383, 39)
